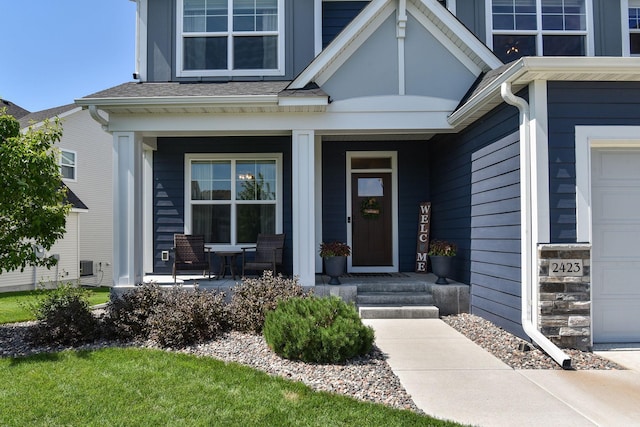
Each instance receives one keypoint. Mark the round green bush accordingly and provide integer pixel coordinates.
(321, 330)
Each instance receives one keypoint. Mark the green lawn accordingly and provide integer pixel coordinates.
(141, 387)
(12, 303)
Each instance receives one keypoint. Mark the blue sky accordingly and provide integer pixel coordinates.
(55, 51)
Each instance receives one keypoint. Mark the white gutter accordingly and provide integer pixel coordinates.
(528, 246)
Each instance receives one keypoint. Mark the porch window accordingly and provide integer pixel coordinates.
(68, 165)
(634, 27)
(539, 28)
(230, 37)
(232, 200)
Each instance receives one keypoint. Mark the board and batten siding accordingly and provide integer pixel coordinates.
(475, 203)
(168, 186)
(572, 104)
(413, 188)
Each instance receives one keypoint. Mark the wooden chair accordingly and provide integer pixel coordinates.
(268, 253)
(189, 254)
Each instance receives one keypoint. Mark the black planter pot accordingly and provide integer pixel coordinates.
(441, 267)
(335, 266)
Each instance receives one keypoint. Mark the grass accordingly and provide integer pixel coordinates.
(12, 304)
(132, 387)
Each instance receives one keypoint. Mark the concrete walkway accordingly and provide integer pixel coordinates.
(450, 377)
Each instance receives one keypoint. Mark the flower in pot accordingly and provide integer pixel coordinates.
(335, 259)
(441, 255)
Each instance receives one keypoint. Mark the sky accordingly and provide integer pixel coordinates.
(55, 51)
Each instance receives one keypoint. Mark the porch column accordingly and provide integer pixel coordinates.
(127, 209)
(303, 194)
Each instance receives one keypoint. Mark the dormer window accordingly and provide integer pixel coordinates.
(230, 38)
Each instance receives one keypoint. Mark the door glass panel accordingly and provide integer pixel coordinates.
(370, 187)
(371, 163)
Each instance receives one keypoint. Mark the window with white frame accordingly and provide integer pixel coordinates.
(68, 164)
(634, 27)
(538, 28)
(233, 198)
(230, 37)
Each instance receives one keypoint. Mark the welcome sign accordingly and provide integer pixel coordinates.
(424, 223)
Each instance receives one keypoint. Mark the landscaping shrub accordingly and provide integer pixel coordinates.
(252, 299)
(128, 314)
(323, 330)
(187, 317)
(64, 317)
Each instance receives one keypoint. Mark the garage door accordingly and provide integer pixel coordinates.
(615, 179)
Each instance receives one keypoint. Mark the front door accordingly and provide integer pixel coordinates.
(372, 214)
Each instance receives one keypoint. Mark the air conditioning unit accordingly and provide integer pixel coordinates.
(86, 268)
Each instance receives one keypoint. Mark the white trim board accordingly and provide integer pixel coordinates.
(588, 137)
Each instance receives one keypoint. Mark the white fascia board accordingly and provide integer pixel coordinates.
(291, 101)
(281, 123)
(339, 46)
(178, 101)
(79, 210)
(527, 69)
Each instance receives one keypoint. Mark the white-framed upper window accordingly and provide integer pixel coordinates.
(68, 165)
(231, 198)
(539, 28)
(633, 25)
(230, 37)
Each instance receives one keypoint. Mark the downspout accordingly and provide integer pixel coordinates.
(527, 247)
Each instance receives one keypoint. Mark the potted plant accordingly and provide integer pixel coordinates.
(335, 259)
(441, 254)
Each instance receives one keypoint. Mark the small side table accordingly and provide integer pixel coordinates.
(227, 259)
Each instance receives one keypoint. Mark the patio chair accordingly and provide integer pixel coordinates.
(268, 253)
(189, 254)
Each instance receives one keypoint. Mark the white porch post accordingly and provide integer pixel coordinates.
(303, 158)
(127, 209)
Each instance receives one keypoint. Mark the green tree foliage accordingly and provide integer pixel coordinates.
(32, 197)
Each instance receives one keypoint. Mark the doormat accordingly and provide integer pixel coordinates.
(374, 275)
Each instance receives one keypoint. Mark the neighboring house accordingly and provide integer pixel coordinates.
(85, 251)
(288, 115)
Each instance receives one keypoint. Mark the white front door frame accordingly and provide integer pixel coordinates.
(393, 155)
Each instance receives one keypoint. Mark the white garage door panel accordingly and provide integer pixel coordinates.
(617, 243)
(616, 280)
(615, 266)
(613, 326)
(614, 205)
(622, 164)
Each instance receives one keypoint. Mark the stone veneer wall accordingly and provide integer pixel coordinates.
(564, 301)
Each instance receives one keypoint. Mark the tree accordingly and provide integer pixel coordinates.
(33, 209)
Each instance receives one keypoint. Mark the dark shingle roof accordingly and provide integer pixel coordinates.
(175, 89)
(74, 200)
(13, 109)
(50, 113)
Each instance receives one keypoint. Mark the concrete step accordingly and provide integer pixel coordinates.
(394, 298)
(393, 287)
(399, 312)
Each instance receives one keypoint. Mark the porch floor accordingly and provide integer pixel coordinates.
(350, 279)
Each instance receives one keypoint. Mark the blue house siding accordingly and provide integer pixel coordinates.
(572, 104)
(475, 197)
(413, 188)
(336, 15)
(168, 184)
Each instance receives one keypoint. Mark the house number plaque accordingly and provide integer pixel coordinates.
(565, 268)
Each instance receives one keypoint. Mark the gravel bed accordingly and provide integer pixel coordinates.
(367, 378)
(508, 347)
